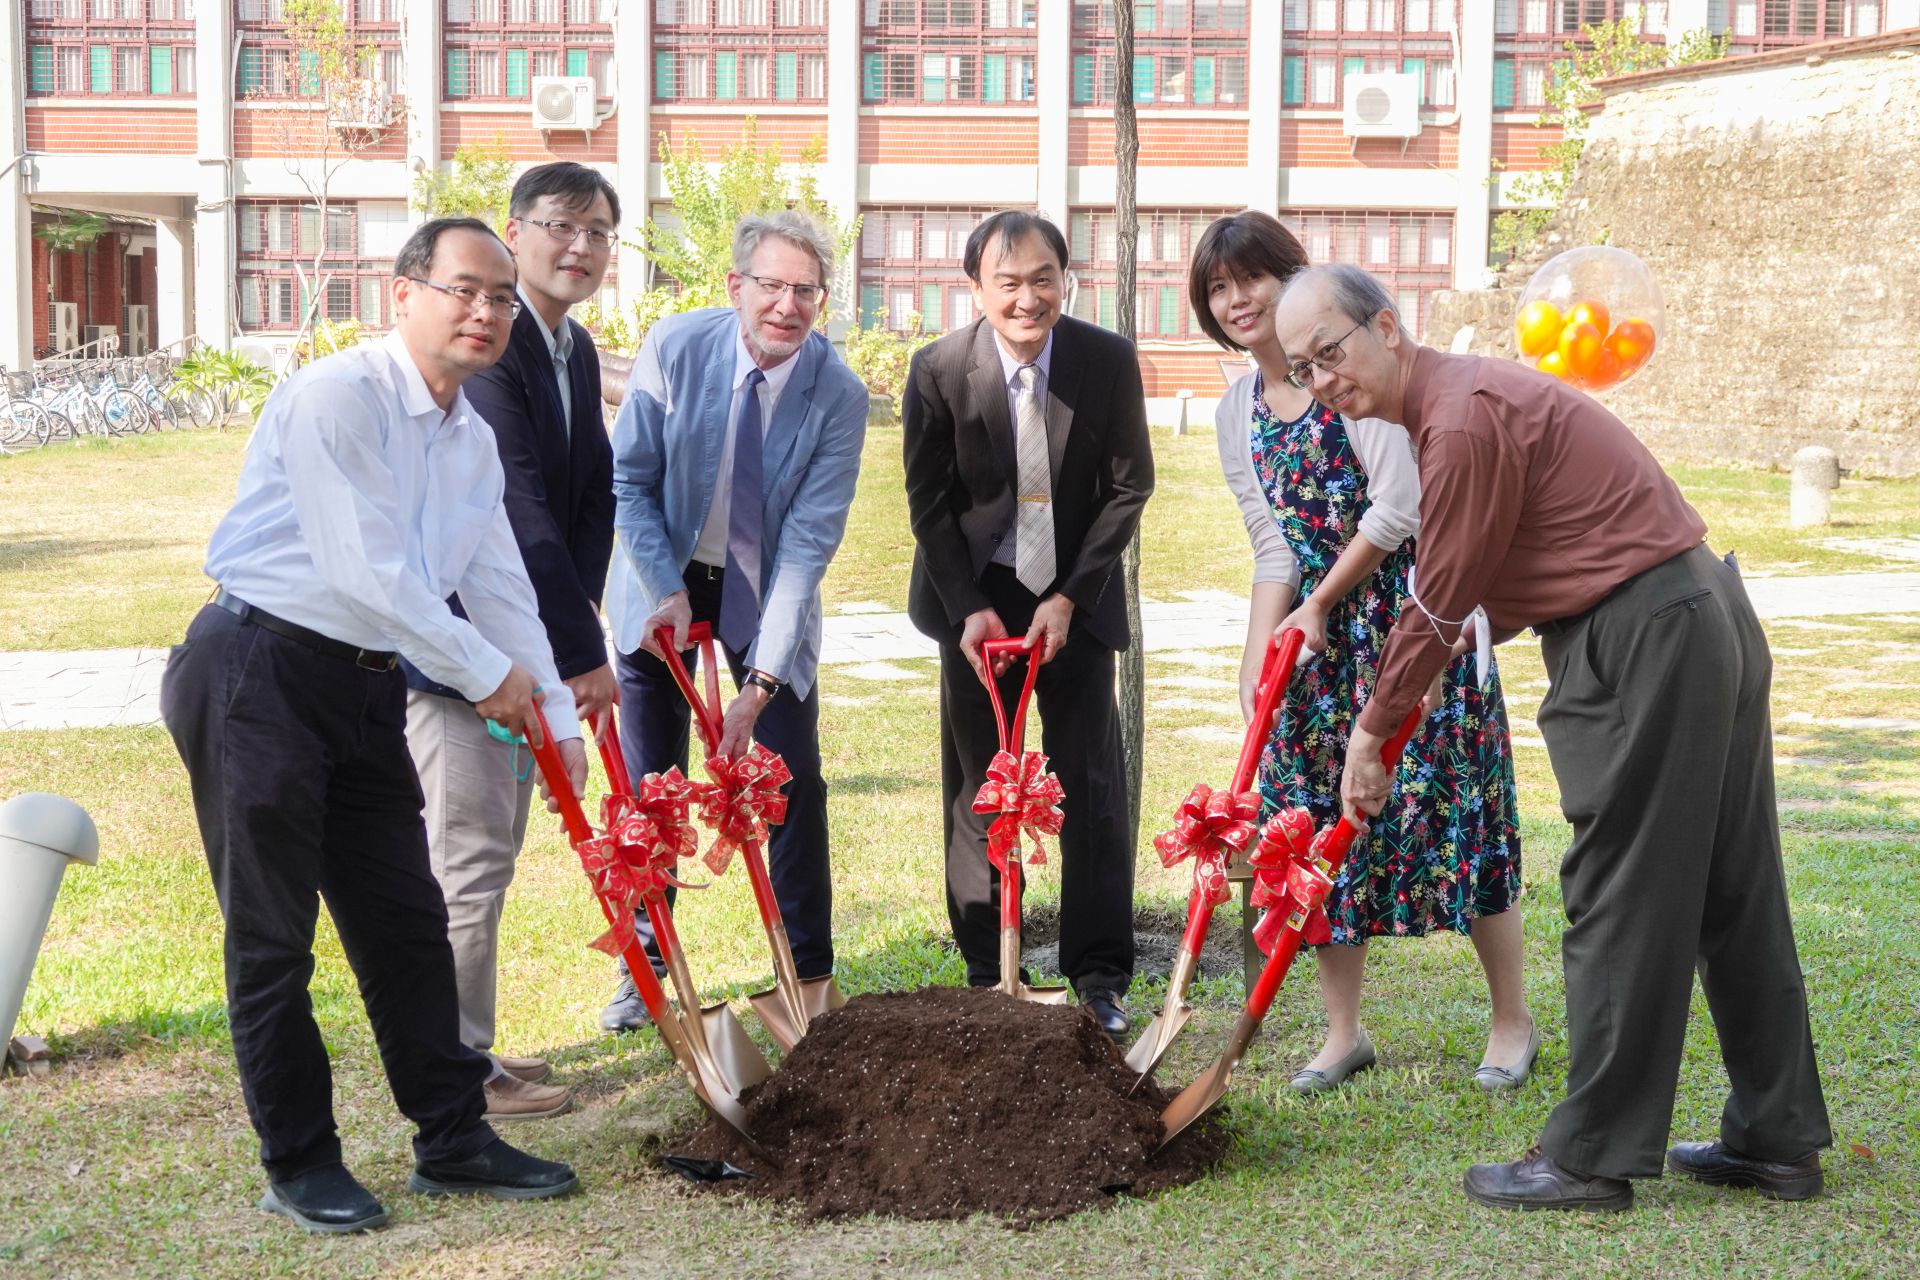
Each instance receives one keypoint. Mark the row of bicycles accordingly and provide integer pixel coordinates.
(109, 396)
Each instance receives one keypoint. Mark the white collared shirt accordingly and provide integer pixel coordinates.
(712, 546)
(362, 506)
(1006, 552)
(560, 350)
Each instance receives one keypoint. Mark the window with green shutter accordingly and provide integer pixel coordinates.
(1169, 311)
(873, 76)
(1503, 84)
(42, 69)
(1083, 77)
(160, 69)
(1143, 15)
(458, 83)
(1104, 309)
(786, 76)
(993, 78)
(933, 79)
(1143, 78)
(1350, 67)
(665, 83)
(1417, 68)
(1202, 82)
(309, 85)
(872, 299)
(517, 86)
(1293, 82)
(929, 306)
(100, 68)
(726, 75)
(250, 69)
(577, 63)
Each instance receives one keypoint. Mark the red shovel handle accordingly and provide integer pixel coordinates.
(706, 711)
(1011, 647)
(1274, 674)
(1274, 972)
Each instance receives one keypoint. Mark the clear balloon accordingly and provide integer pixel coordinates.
(1591, 317)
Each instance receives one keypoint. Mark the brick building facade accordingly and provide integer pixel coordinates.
(177, 118)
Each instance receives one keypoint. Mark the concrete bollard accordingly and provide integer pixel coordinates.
(1815, 475)
(1183, 395)
(39, 835)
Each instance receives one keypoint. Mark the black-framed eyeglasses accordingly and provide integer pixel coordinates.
(804, 294)
(1300, 372)
(567, 232)
(474, 299)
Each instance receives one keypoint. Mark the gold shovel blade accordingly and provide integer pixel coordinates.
(736, 1061)
(1156, 1040)
(815, 996)
(1199, 1097)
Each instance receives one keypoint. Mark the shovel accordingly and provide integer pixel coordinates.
(1199, 1097)
(717, 1099)
(727, 1056)
(1172, 1018)
(1010, 980)
(794, 1003)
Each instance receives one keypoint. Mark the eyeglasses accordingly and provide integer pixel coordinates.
(501, 303)
(567, 232)
(1300, 372)
(804, 294)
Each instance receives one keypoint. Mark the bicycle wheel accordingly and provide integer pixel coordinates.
(23, 425)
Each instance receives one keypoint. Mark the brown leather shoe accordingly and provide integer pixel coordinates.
(511, 1098)
(532, 1070)
(1534, 1181)
(1720, 1165)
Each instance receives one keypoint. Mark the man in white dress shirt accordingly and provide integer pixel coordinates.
(371, 492)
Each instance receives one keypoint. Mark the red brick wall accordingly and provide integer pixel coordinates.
(524, 142)
(68, 271)
(960, 139)
(1517, 146)
(1163, 143)
(1196, 368)
(271, 131)
(82, 130)
(791, 134)
(1319, 144)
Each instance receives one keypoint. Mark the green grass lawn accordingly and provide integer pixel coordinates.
(135, 1157)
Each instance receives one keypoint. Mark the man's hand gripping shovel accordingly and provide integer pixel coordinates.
(616, 886)
(1212, 827)
(1027, 799)
(730, 806)
(1293, 876)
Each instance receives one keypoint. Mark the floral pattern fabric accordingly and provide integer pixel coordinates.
(1447, 847)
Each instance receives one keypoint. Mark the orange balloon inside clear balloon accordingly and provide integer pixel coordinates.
(1581, 346)
(1538, 328)
(1593, 312)
(1632, 342)
(1556, 364)
(1606, 372)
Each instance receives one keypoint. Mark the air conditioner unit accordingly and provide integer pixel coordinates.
(564, 102)
(105, 334)
(1381, 104)
(136, 320)
(65, 326)
(365, 106)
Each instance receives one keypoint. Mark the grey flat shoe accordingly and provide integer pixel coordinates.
(1493, 1079)
(1359, 1059)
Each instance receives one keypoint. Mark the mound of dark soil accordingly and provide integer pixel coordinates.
(948, 1102)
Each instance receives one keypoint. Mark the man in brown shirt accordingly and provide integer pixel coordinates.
(1540, 505)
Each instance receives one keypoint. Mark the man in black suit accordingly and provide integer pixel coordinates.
(1028, 465)
(542, 400)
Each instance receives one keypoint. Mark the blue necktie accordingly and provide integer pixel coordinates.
(740, 589)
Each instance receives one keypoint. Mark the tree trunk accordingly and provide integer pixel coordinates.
(1126, 155)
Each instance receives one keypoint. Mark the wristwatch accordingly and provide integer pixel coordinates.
(764, 681)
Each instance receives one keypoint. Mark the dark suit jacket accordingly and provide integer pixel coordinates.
(559, 486)
(962, 469)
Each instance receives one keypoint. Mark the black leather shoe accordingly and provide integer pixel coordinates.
(1106, 1010)
(497, 1170)
(327, 1201)
(1721, 1166)
(626, 1011)
(1534, 1181)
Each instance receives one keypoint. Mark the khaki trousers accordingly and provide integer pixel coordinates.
(476, 813)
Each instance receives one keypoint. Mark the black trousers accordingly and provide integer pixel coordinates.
(1658, 727)
(305, 791)
(655, 725)
(1081, 735)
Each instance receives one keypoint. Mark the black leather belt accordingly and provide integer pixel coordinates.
(705, 572)
(365, 659)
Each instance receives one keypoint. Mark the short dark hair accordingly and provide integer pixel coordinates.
(1245, 244)
(575, 186)
(1011, 225)
(416, 255)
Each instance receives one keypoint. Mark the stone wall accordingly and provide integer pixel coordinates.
(1777, 200)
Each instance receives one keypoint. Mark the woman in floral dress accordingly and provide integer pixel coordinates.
(1332, 507)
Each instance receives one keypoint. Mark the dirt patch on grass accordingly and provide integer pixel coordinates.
(948, 1102)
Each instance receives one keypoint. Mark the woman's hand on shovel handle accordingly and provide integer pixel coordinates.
(1364, 782)
(573, 754)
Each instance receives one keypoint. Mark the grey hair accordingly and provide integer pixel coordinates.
(1354, 292)
(790, 225)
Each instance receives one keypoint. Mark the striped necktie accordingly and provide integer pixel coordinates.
(1033, 524)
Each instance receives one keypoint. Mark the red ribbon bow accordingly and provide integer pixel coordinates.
(617, 883)
(1290, 876)
(740, 802)
(1027, 798)
(1211, 827)
(649, 832)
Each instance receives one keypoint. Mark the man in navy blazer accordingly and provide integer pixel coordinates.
(735, 457)
(542, 399)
